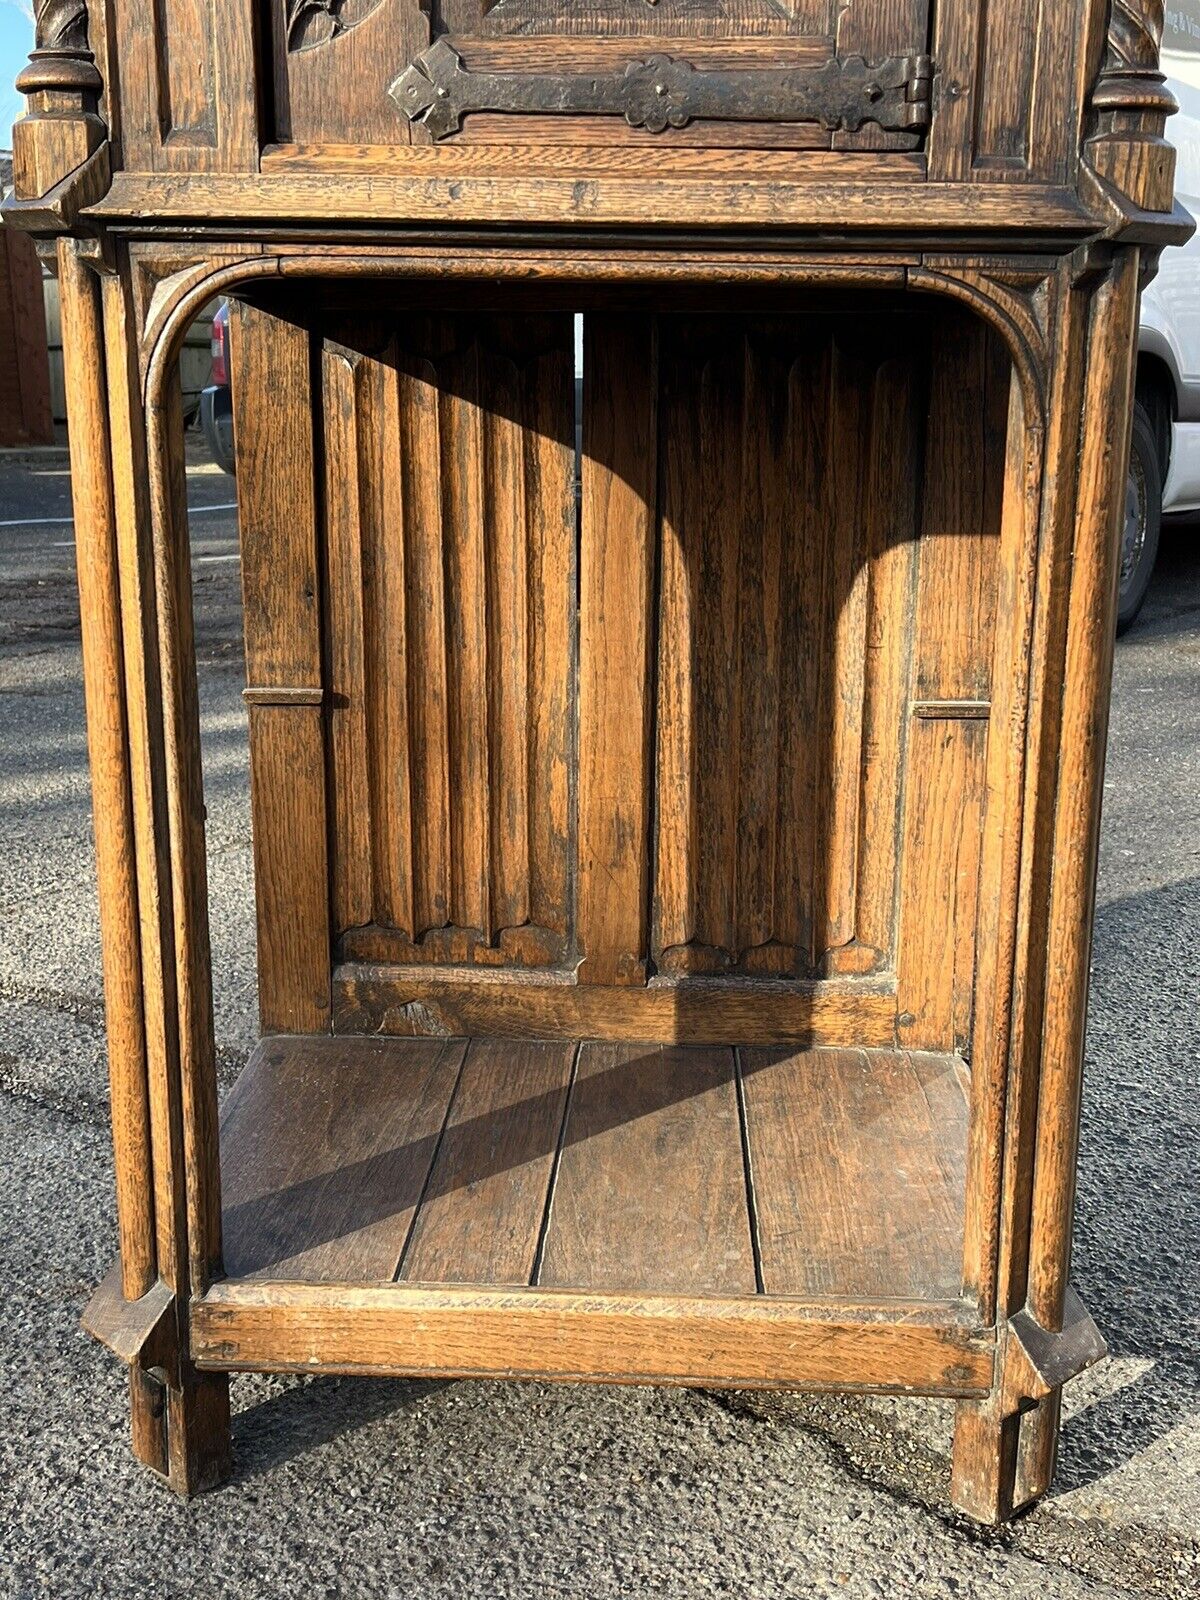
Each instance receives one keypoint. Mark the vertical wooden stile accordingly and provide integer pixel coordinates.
(616, 691)
(108, 750)
(284, 671)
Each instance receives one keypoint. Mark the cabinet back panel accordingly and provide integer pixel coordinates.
(719, 713)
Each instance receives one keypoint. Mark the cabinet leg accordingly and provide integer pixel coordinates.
(182, 1434)
(1003, 1459)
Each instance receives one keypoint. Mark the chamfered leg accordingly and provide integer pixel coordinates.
(1005, 1446)
(180, 1418)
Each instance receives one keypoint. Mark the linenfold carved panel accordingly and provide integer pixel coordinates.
(450, 536)
(790, 527)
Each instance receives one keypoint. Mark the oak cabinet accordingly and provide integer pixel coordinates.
(680, 455)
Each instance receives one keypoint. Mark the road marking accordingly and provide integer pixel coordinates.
(69, 522)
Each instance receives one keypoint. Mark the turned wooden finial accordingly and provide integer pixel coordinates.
(61, 127)
(1130, 106)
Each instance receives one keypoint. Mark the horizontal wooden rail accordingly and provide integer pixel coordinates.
(595, 196)
(469, 1332)
(531, 1004)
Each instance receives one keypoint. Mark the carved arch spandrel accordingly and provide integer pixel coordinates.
(1017, 301)
(309, 23)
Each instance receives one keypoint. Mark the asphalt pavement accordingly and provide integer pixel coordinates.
(378, 1488)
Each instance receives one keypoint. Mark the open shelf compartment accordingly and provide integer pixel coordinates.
(784, 1199)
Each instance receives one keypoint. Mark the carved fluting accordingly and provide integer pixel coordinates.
(660, 92)
(1135, 31)
(61, 24)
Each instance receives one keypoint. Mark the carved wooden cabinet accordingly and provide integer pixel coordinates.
(680, 452)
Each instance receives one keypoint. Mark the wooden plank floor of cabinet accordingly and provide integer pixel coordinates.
(602, 1168)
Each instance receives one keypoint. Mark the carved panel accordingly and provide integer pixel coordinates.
(449, 527)
(794, 683)
(1135, 29)
(313, 22)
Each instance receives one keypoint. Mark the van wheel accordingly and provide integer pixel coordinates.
(1143, 520)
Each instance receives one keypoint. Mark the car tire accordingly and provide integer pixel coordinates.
(1143, 519)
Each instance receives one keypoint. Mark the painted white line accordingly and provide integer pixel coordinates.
(198, 560)
(69, 522)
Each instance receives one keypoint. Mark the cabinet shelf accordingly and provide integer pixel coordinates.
(600, 1167)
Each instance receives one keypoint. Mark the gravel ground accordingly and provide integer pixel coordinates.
(357, 1487)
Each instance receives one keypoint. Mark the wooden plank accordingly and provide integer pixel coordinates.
(508, 639)
(463, 426)
(844, 598)
(387, 649)
(615, 694)
(685, 477)
(651, 1188)
(548, 418)
(510, 159)
(276, 499)
(756, 1343)
(324, 1155)
(281, 607)
(767, 531)
(481, 1217)
(287, 801)
(419, 1001)
(952, 130)
(858, 1164)
(806, 558)
(943, 838)
(961, 510)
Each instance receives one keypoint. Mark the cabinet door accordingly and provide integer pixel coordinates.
(752, 73)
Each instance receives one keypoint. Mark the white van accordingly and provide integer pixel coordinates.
(1164, 472)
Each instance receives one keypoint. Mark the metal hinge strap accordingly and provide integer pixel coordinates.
(661, 92)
